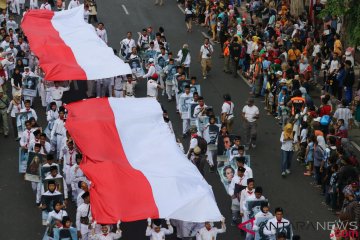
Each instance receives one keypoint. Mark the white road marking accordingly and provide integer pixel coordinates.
(125, 10)
(181, 9)
(207, 36)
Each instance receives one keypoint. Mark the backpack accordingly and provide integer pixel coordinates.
(325, 120)
(202, 144)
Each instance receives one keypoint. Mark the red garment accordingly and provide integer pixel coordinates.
(324, 110)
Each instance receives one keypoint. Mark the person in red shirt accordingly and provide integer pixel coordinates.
(325, 108)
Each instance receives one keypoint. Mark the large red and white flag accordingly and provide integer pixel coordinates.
(134, 164)
(68, 48)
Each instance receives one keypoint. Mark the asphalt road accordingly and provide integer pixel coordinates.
(20, 219)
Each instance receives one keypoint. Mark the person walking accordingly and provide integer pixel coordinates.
(250, 114)
(287, 148)
(206, 52)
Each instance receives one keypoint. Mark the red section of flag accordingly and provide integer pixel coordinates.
(118, 192)
(242, 226)
(55, 57)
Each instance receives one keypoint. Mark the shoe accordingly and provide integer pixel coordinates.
(253, 145)
(169, 100)
(287, 171)
(204, 77)
(283, 174)
(307, 174)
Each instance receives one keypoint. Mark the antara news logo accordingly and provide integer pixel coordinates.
(352, 228)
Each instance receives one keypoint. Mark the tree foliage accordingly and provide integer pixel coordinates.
(350, 11)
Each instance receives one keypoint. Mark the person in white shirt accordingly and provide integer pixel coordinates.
(240, 162)
(45, 6)
(153, 86)
(86, 13)
(53, 175)
(275, 224)
(184, 58)
(73, 4)
(58, 132)
(250, 114)
(26, 136)
(156, 232)
(151, 68)
(56, 93)
(84, 217)
(68, 158)
(106, 234)
(183, 109)
(128, 88)
(343, 112)
(51, 116)
(264, 213)
(83, 188)
(210, 233)
(56, 215)
(117, 86)
(126, 45)
(227, 112)
(238, 183)
(76, 175)
(14, 107)
(245, 194)
(206, 51)
(27, 104)
(27, 73)
(101, 32)
(34, 4)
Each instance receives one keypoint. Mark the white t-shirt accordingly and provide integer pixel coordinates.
(152, 88)
(250, 113)
(206, 50)
(228, 108)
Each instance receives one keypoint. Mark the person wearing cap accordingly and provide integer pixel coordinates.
(4, 104)
(106, 234)
(153, 86)
(56, 93)
(151, 68)
(275, 224)
(206, 52)
(238, 183)
(183, 107)
(84, 217)
(208, 232)
(250, 115)
(156, 232)
(128, 90)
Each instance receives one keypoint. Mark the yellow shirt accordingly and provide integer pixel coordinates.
(338, 47)
(292, 55)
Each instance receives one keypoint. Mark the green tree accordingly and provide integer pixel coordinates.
(349, 10)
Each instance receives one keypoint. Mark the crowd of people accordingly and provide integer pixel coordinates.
(284, 55)
(287, 53)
